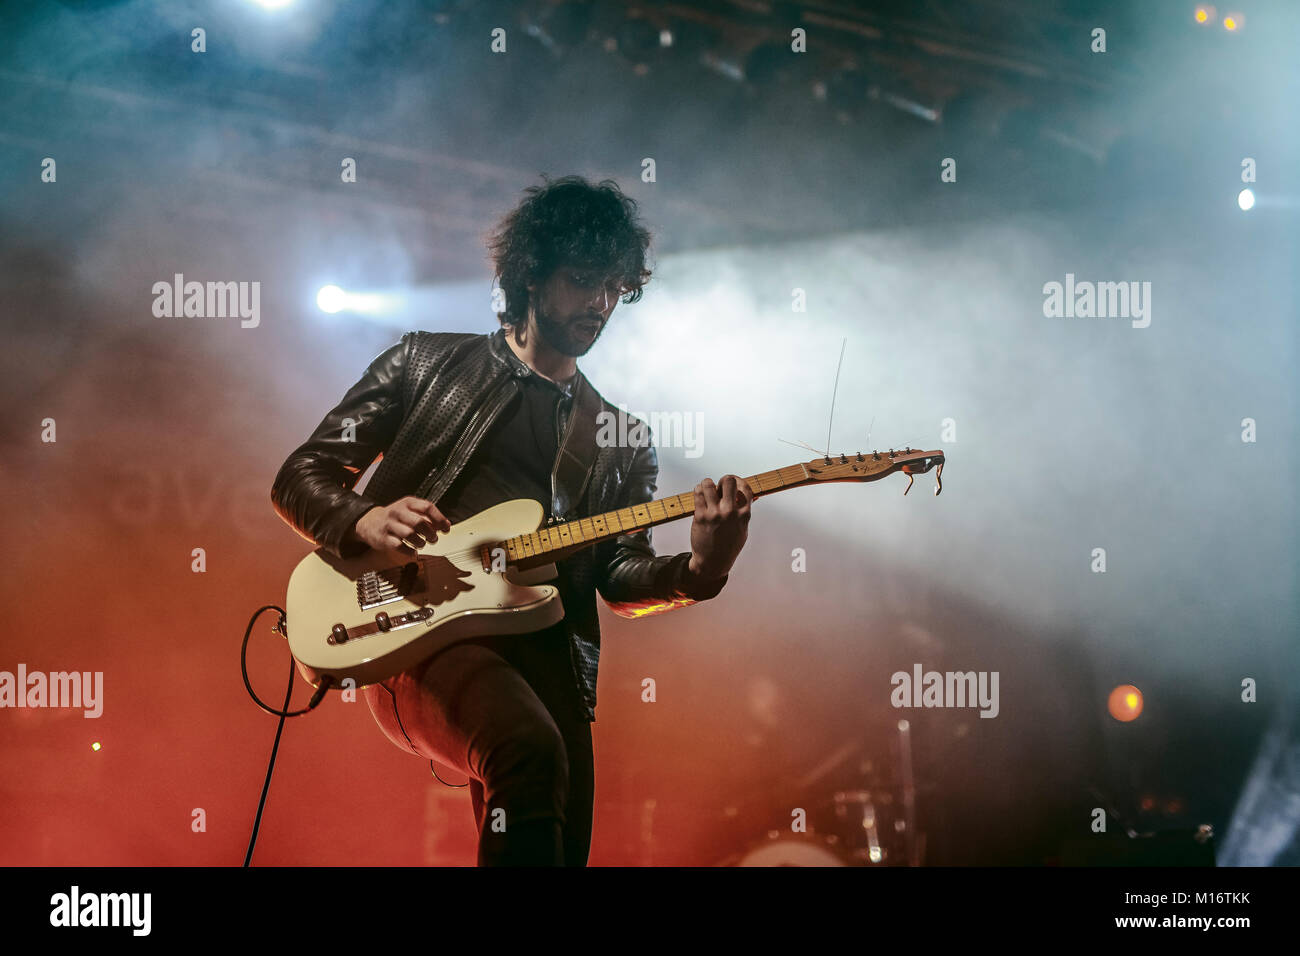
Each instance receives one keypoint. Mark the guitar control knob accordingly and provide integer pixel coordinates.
(339, 633)
(382, 620)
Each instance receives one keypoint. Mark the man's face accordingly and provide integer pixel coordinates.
(572, 307)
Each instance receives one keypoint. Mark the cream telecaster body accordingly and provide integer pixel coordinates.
(430, 600)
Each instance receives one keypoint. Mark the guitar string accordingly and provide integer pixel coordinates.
(474, 552)
(758, 480)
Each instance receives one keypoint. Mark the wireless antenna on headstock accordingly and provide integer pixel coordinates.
(834, 390)
(916, 462)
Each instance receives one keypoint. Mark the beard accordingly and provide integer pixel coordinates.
(564, 336)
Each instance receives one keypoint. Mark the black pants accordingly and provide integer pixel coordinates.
(505, 712)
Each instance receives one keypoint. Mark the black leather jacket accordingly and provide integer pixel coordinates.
(424, 405)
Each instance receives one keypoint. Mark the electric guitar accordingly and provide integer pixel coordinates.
(373, 616)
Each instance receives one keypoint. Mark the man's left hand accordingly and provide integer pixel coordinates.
(720, 527)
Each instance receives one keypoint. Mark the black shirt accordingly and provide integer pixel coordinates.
(514, 460)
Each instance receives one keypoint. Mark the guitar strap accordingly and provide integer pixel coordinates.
(577, 454)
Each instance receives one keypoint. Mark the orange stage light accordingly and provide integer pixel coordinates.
(1125, 703)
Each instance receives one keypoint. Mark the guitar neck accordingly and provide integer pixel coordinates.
(560, 540)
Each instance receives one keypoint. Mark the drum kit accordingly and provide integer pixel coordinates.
(871, 824)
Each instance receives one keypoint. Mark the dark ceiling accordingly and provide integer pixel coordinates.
(751, 141)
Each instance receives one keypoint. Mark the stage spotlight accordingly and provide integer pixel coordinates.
(1233, 22)
(95, 746)
(374, 306)
(1205, 14)
(910, 106)
(271, 4)
(1246, 199)
(331, 299)
(1125, 703)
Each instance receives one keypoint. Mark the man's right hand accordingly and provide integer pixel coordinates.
(412, 518)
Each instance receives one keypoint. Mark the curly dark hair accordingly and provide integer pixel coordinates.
(569, 222)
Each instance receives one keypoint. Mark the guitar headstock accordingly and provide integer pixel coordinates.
(874, 465)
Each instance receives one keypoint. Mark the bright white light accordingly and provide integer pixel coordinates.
(331, 299)
(272, 4)
(1246, 199)
(376, 306)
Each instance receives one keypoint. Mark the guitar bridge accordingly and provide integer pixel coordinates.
(377, 588)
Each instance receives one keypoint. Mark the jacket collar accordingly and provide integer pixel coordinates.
(506, 356)
(517, 367)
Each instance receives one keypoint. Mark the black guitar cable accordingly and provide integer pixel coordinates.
(282, 628)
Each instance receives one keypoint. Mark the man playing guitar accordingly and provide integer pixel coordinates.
(482, 419)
